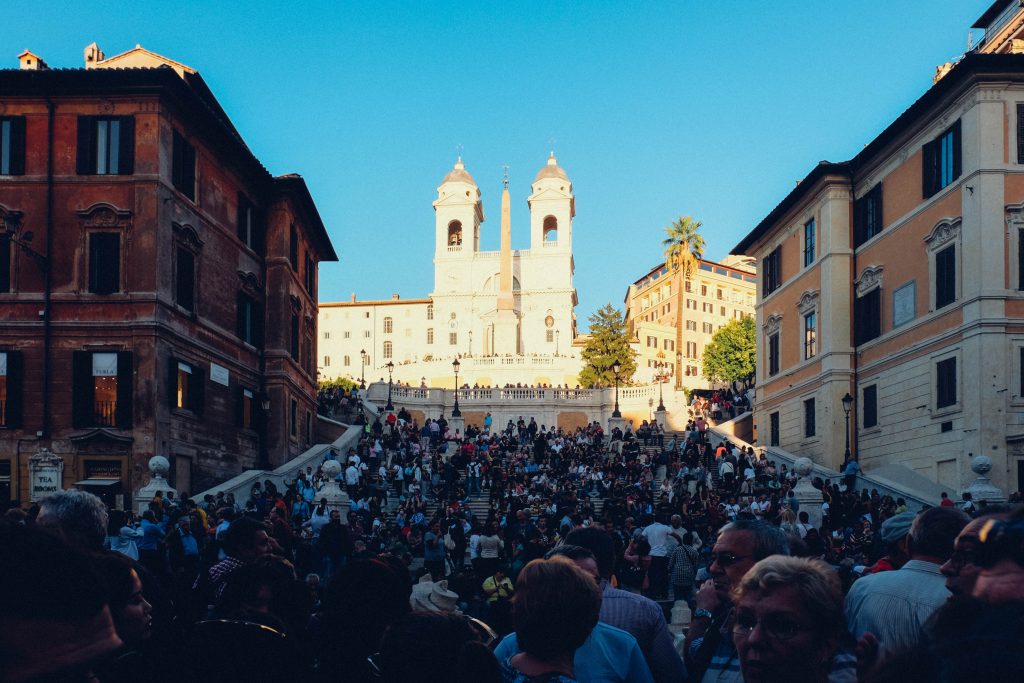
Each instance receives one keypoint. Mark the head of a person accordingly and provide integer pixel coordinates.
(1000, 559)
(436, 646)
(961, 570)
(739, 546)
(600, 543)
(555, 607)
(583, 558)
(54, 620)
(246, 540)
(788, 619)
(933, 531)
(78, 517)
(131, 611)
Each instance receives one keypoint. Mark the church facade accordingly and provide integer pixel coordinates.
(507, 315)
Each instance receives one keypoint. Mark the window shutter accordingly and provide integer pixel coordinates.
(17, 145)
(172, 382)
(957, 155)
(82, 390)
(126, 153)
(86, 145)
(239, 406)
(197, 388)
(929, 169)
(14, 389)
(190, 171)
(125, 394)
(5, 263)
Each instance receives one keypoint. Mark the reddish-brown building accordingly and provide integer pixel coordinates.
(157, 284)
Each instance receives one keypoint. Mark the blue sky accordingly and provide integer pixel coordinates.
(712, 109)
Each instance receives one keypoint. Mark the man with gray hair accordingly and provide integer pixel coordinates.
(710, 652)
(78, 517)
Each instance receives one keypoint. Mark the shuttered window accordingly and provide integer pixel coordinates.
(5, 263)
(941, 161)
(810, 428)
(102, 389)
(183, 166)
(945, 383)
(945, 276)
(186, 386)
(12, 145)
(772, 266)
(773, 433)
(10, 389)
(104, 262)
(185, 280)
(250, 224)
(867, 216)
(106, 145)
(773, 354)
(867, 313)
(869, 406)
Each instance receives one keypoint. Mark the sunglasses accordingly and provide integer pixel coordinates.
(726, 559)
(773, 626)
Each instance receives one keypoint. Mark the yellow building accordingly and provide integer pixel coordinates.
(670, 344)
(898, 278)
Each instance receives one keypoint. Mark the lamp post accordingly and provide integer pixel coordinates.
(847, 404)
(661, 387)
(469, 349)
(616, 366)
(650, 409)
(362, 370)
(390, 366)
(455, 410)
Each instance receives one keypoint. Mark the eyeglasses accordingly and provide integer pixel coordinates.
(726, 559)
(773, 626)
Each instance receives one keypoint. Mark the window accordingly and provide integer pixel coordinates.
(772, 267)
(945, 383)
(867, 216)
(810, 335)
(707, 308)
(942, 161)
(327, 335)
(869, 406)
(327, 361)
(366, 334)
(106, 145)
(1020, 134)
(346, 334)
(691, 349)
(346, 361)
(430, 335)
(309, 428)
(669, 345)
(10, 389)
(293, 250)
(245, 409)
(809, 242)
(773, 432)
(388, 325)
(12, 145)
(104, 262)
(691, 325)
(549, 336)
(249, 320)
(102, 389)
(307, 353)
(453, 338)
(708, 328)
(719, 294)
(187, 385)
(773, 354)
(250, 226)
(185, 280)
(703, 290)
(294, 346)
(691, 304)
(689, 286)
(310, 275)
(809, 427)
(721, 311)
(867, 314)
(430, 311)
(945, 276)
(387, 349)
(183, 166)
(295, 420)
(5, 262)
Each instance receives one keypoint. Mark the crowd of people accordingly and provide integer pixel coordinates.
(517, 553)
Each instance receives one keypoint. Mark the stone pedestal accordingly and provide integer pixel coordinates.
(614, 422)
(159, 466)
(661, 417)
(336, 497)
(457, 424)
(45, 474)
(809, 497)
(982, 488)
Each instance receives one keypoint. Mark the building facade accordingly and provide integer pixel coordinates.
(157, 284)
(712, 296)
(898, 278)
(507, 315)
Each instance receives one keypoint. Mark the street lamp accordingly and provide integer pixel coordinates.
(847, 404)
(469, 349)
(390, 366)
(661, 387)
(362, 370)
(455, 410)
(650, 408)
(616, 367)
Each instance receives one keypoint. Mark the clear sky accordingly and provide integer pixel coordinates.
(657, 109)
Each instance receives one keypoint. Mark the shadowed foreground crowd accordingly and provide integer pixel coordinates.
(553, 591)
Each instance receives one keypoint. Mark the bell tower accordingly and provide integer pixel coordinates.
(552, 208)
(458, 214)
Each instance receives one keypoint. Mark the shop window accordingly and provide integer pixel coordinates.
(102, 389)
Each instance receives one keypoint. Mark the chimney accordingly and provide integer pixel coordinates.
(353, 297)
(394, 297)
(93, 54)
(31, 62)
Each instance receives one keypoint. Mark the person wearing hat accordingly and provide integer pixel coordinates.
(895, 535)
(433, 596)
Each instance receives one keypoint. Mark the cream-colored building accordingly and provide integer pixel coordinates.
(898, 277)
(507, 315)
(712, 296)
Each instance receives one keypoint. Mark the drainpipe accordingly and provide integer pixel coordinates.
(47, 268)
(853, 319)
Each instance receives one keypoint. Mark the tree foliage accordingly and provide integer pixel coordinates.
(342, 382)
(732, 353)
(684, 245)
(608, 342)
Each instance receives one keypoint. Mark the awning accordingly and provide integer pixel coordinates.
(97, 482)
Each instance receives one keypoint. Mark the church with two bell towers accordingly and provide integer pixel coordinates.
(507, 315)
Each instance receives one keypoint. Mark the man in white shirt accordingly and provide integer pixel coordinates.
(352, 479)
(657, 535)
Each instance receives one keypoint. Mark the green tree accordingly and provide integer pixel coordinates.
(607, 343)
(732, 353)
(343, 382)
(684, 248)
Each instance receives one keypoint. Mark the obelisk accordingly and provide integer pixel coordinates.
(506, 324)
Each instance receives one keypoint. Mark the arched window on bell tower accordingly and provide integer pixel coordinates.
(550, 229)
(455, 234)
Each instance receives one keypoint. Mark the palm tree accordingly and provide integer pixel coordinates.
(684, 249)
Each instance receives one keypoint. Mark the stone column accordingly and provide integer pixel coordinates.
(809, 497)
(159, 466)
